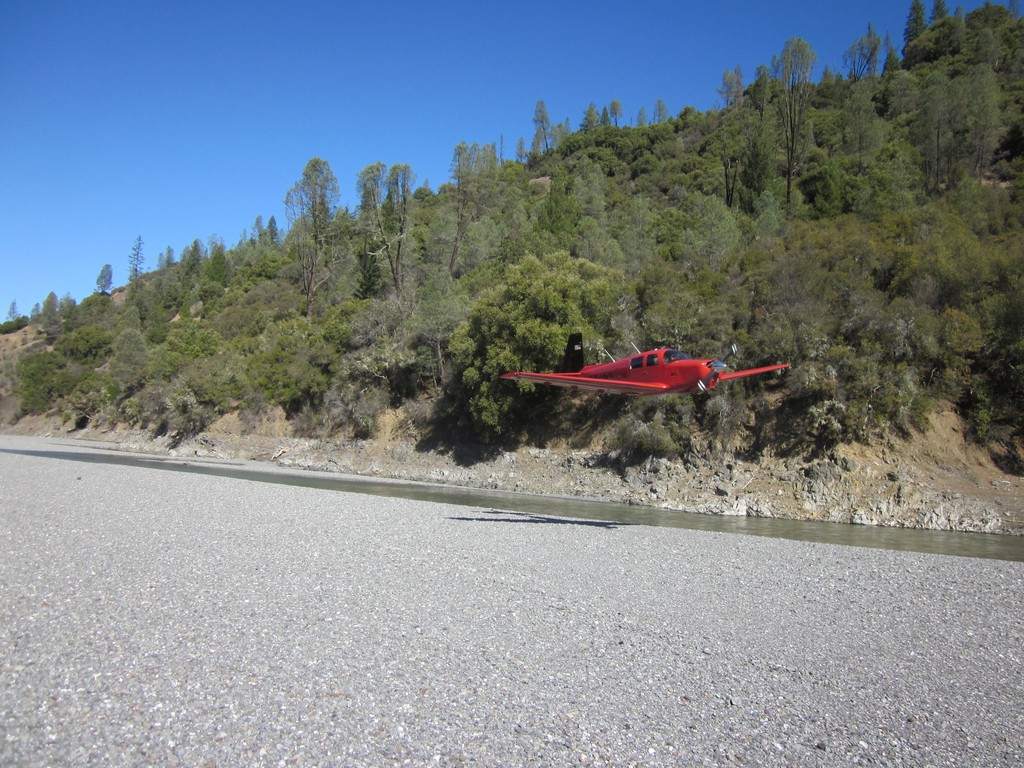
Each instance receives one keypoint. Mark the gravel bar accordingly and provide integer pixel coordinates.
(156, 618)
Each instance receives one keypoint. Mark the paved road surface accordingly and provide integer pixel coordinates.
(150, 617)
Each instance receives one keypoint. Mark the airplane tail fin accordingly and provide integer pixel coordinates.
(572, 361)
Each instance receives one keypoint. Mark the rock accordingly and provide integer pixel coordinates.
(721, 490)
(738, 508)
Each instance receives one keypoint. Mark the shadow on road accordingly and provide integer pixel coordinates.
(505, 516)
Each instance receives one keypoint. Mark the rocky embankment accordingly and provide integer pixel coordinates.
(889, 487)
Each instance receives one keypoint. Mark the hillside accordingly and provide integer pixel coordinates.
(867, 227)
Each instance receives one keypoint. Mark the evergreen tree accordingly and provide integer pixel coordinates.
(135, 260)
(731, 89)
(49, 317)
(660, 111)
(863, 131)
(12, 312)
(560, 132)
(606, 119)
(939, 10)
(542, 126)
(915, 24)
(641, 118)
(66, 307)
(128, 361)
(892, 59)
(105, 279)
(371, 279)
(166, 258)
(590, 119)
(216, 268)
(192, 257)
(982, 116)
(521, 156)
(615, 111)
(273, 237)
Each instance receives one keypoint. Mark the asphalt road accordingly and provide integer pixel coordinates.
(151, 617)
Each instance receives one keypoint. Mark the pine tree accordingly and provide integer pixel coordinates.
(12, 312)
(641, 118)
(216, 268)
(915, 24)
(542, 126)
(521, 156)
(615, 110)
(660, 112)
(135, 260)
(272, 233)
(49, 317)
(590, 119)
(191, 257)
(892, 59)
(606, 119)
(166, 258)
(105, 279)
(939, 10)
(371, 279)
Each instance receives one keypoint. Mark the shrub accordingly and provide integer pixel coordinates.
(11, 326)
(94, 393)
(292, 365)
(88, 344)
(43, 377)
(523, 324)
(655, 427)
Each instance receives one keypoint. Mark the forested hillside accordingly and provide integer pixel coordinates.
(867, 225)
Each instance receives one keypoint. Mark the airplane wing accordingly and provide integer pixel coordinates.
(592, 384)
(728, 375)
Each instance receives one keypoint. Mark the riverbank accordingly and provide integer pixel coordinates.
(937, 482)
(164, 617)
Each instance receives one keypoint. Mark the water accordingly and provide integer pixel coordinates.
(608, 515)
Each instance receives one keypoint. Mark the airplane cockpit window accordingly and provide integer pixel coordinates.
(675, 354)
(636, 362)
(652, 359)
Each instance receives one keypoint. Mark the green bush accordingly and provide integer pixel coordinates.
(11, 326)
(653, 427)
(292, 365)
(523, 324)
(88, 344)
(94, 394)
(43, 377)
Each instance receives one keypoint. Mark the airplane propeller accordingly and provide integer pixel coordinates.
(717, 367)
(720, 365)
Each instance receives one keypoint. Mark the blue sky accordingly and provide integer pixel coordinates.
(181, 120)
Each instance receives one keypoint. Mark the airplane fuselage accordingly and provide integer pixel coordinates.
(680, 372)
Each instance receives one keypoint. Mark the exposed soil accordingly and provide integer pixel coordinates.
(938, 479)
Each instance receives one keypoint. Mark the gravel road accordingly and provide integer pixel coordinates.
(151, 617)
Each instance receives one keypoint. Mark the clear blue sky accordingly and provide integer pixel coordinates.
(181, 120)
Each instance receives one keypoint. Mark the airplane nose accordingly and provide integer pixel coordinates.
(709, 381)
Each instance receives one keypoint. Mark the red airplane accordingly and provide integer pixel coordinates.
(658, 371)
